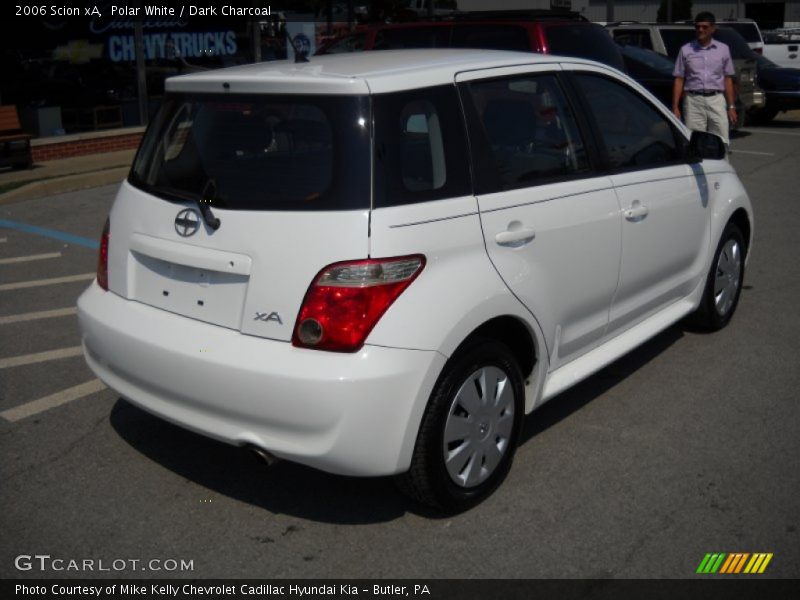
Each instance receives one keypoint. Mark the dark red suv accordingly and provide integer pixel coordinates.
(564, 34)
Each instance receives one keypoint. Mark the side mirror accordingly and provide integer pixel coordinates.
(705, 145)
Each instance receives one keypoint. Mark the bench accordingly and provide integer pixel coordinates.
(15, 144)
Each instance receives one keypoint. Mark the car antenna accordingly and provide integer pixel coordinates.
(299, 57)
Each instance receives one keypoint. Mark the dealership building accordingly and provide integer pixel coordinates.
(74, 74)
(769, 14)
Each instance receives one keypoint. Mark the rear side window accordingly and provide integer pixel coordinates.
(584, 41)
(492, 37)
(420, 147)
(528, 129)
(635, 134)
(258, 152)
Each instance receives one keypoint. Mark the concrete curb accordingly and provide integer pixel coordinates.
(69, 183)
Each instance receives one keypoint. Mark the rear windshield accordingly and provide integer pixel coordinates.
(262, 152)
(584, 41)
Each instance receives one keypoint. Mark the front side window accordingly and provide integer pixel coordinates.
(529, 130)
(635, 134)
(258, 152)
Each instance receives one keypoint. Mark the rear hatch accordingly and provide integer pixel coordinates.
(288, 178)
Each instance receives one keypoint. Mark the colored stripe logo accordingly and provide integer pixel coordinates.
(734, 563)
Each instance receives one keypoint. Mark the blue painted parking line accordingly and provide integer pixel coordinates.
(51, 233)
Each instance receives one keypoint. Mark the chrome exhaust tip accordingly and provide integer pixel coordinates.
(266, 457)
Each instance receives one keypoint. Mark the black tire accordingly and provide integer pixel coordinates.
(428, 480)
(715, 310)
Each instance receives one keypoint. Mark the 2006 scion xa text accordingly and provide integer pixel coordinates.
(377, 264)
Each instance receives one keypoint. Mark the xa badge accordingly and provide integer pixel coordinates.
(187, 222)
(273, 316)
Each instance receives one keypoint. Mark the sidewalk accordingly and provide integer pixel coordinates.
(65, 175)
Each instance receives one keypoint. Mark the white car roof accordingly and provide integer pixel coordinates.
(357, 72)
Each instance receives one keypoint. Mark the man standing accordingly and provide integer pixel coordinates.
(704, 71)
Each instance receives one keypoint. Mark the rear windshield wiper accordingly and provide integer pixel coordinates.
(204, 204)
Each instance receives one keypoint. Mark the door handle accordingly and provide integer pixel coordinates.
(515, 238)
(636, 212)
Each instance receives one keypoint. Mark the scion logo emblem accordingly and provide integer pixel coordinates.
(187, 222)
(273, 316)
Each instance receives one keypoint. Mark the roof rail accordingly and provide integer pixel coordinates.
(615, 23)
(512, 15)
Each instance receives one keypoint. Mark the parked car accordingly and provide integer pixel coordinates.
(667, 39)
(782, 88)
(782, 48)
(651, 69)
(310, 260)
(748, 29)
(548, 32)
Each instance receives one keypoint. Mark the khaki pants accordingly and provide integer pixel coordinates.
(707, 113)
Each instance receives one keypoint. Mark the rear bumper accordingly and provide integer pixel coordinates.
(352, 414)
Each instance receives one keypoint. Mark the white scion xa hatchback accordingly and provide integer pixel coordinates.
(378, 263)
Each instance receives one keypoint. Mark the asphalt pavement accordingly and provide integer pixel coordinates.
(688, 445)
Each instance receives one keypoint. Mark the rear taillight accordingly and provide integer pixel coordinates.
(102, 258)
(759, 51)
(346, 300)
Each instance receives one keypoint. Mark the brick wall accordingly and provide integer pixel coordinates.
(66, 149)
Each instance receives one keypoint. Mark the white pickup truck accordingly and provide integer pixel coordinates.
(786, 54)
(782, 46)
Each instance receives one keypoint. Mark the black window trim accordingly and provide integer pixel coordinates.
(604, 167)
(463, 177)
